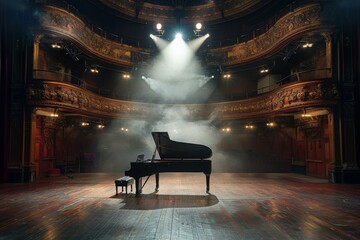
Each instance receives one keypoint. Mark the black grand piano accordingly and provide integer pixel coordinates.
(174, 157)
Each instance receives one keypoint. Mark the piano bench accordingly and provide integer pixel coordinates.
(124, 182)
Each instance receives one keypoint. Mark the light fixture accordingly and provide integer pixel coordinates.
(249, 126)
(54, 115)
(226, 129)
(158, 26)
(305, 115)
(198, 26)
(55, 45)
(94, 70)
(307, 45)
(270, 124)
(84, 124)
(264, 70)
(226, 75)
(178, 36)
(101, 126)
(126, 76)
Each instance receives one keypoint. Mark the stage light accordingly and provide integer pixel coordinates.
(198, 26)
(178, 36)
(158, 26)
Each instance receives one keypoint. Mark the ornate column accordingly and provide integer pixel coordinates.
(37, 39)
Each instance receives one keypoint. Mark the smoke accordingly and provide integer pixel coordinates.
(176, 74)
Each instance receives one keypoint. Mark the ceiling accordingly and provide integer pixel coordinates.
(224, 20)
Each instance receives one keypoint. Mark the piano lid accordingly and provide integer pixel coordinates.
(169, 149)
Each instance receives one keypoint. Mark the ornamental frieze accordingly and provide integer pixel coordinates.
(64, 23)
(288, 98)
(291, 97)
(294, 24)
(72, 98)
(206, 12)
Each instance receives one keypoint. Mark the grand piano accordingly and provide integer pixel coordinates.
(174, 157)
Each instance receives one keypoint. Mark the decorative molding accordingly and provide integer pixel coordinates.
(291, 26)
(210, 11)
(56, 20)
(284, 99)
(320, 93)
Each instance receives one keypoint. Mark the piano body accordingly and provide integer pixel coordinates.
(174, 157)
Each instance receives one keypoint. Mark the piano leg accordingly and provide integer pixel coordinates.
(157, 182)
(138, 186)
(207, 183)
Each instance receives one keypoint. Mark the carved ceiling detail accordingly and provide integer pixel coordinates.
(292, 25)
(207, 12)
(287, 98)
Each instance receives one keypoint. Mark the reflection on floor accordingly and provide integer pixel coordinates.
(239, 206)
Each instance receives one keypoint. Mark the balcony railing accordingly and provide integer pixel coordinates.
(301, 76)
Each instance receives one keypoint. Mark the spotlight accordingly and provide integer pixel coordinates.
(178, 36)
(198, 26)
(158, 26)
(207, 35)
(151, 36)
(143, 77)
(212, 76)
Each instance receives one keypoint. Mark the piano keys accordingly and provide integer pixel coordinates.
(174, 157)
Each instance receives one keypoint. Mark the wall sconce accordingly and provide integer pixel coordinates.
(226, 76)
(264, 70)
(126, 76)
(84, 124)
(94, 70)
(307, 45)
(226, 130)
(270, 124)
(56, 45)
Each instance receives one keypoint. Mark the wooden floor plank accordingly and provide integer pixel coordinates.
(240, 206)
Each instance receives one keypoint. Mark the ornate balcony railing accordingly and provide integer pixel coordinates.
(286, 98)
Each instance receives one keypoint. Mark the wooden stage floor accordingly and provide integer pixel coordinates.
(240, 206)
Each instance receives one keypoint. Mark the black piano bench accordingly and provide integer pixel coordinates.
(124, 182)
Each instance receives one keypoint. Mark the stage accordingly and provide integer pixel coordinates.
(239, 206)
